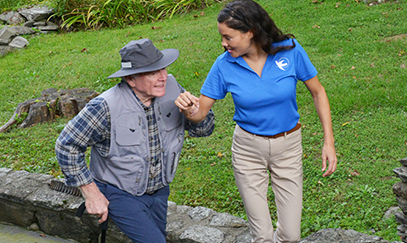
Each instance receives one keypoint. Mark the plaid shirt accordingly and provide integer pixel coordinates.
(91, 127)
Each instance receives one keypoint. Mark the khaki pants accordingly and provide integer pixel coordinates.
(253, 157)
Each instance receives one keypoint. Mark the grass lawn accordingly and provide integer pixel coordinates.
(360, 52)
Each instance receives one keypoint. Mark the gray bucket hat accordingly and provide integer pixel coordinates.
(142, 56)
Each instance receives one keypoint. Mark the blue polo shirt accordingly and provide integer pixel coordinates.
(264, 105)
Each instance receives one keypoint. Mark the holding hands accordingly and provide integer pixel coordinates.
(187, 104)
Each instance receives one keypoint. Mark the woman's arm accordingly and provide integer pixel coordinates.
(324, 112)
(193, 108)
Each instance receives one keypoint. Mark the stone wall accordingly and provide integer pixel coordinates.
(26, 200)
(400, 189)
(25, 21)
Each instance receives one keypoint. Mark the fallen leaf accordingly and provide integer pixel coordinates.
(195, 16)
(403, 65)
(319, 182)
(353, 68)
(220, 155)
(42, 235)
(344, 124)
(333, 66)
(316, 26)
(350, 29)
(355, 173)
(197, 74)
(202, 13)
(214, 163)
(156, 27)
(84, 50)
(372, 65)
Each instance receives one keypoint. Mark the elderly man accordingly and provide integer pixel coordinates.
(136, 134)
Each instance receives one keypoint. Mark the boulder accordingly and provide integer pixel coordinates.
(22, 30)
(5, 49)
(6, 35)
(12, 17)
(19, 42)
(36, 13)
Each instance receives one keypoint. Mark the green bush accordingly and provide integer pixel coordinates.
(94, 14)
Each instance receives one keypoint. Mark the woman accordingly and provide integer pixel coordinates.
(260, 68)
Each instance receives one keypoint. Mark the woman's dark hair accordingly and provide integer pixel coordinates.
(246, 15)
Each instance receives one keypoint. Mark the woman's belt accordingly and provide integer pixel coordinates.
(298, 126)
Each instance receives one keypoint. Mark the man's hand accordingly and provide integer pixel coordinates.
(96, 203)
(188, 104)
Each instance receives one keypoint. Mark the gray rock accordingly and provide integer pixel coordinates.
(390, 212)
(401, 173)
(40, 23)
(34, 226)
(50, 26)
(12, 17)
(227, 220)
(5, 49)
(202, 234)
(402, 204)
(400, 189)
(4, 171)
(36, 13)
(183, 208)
(19, 42)
(22, 30)
(200, 213)
(29, 23)
(244, 238)
(6, 35)
(403, 161)
(400, 217)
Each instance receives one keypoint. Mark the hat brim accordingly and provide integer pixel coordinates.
(169, 56)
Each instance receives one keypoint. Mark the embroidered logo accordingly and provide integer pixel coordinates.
(283, 63)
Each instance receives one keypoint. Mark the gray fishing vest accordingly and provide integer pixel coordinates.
(126, 166)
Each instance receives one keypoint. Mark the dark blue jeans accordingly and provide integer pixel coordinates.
(142, 218)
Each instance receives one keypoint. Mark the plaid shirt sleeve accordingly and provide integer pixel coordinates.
(91, 126)
(203, 128)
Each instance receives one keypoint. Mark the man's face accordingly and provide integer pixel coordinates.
(149, 85)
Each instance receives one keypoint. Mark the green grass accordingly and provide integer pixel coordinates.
(360, 63)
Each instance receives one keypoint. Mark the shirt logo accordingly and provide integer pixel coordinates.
(283, 63)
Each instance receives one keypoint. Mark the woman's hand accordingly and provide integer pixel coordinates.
(329, 155)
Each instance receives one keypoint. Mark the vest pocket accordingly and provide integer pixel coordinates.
(171, 116)
(172, 158)
(127, 173)
(128, 130)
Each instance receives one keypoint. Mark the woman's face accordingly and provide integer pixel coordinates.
(236, 42)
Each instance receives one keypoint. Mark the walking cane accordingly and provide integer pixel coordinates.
(61, 187)
(79, 213)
